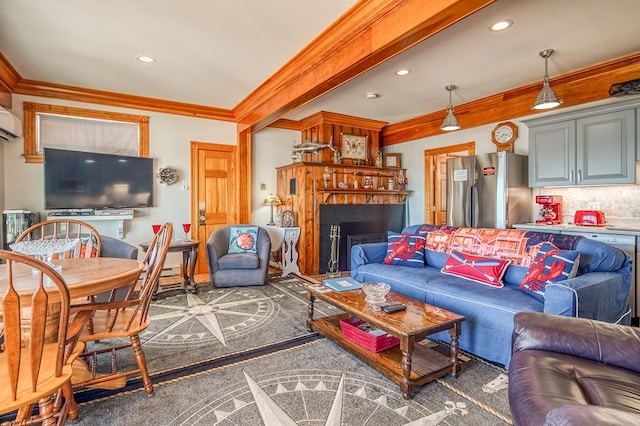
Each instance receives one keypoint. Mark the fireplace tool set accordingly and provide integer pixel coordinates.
(334, 260)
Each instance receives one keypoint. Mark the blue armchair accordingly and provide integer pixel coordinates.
(237, 269)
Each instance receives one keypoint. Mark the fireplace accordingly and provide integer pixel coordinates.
(359, 223)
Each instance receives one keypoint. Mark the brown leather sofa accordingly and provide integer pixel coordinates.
(573, 371)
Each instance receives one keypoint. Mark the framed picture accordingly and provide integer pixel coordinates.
(355, 147)
(392, 160)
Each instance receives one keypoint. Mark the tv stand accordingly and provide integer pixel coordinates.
(112, 219)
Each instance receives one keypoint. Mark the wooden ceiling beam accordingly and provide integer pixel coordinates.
(8, 79)
(574, 88)
(368, 34)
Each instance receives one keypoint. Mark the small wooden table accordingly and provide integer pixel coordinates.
(189, 251)
(408, 365)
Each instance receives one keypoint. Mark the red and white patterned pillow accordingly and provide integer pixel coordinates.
(550, 265)
(405, 249)
(481, 269)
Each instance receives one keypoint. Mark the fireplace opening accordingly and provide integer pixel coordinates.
(359, 224)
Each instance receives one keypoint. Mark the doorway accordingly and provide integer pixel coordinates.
(212, 193)
(435, 174)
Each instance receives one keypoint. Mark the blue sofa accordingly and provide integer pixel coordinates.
(600, 291)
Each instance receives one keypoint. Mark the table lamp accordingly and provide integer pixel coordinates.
(271, 200)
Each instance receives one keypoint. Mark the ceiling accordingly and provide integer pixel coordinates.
(217, 52)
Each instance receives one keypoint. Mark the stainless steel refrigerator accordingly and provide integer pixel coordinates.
(488, 190)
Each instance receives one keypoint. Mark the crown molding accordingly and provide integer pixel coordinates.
(79, 94)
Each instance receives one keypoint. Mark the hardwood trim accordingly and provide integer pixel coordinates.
(31, 109)
(284, 123)
(9, 77)
(79, 94)
(575, 88)
(366, 35)
(324, 117)
(430, 178)
(242, 173)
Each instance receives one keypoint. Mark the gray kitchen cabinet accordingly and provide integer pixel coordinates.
(591, 147)
(552, 154)
(637, 134)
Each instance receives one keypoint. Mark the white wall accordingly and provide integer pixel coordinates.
(271, 148)
(169, 145)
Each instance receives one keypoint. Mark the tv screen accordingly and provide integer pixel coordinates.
(87, 180)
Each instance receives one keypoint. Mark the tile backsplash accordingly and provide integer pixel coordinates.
(620, 203)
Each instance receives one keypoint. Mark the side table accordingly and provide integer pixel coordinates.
(285, 239)
(189, 251)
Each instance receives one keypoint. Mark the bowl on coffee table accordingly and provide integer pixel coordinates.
(375, 292)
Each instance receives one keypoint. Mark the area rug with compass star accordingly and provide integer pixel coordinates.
(243, 356)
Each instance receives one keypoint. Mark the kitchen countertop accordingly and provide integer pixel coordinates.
(606, 229)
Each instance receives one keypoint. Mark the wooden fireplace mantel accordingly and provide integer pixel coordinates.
(305, 186)
(301, 187)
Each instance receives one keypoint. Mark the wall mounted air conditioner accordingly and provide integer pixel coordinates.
(10, 126)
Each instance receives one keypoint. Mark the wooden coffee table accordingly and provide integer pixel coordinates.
(408, 365)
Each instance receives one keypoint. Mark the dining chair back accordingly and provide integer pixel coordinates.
(118, 319)
(89, 240)
(38, 349)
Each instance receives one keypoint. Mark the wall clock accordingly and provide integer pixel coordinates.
(168, 175)
(503, 136)
(355, 147)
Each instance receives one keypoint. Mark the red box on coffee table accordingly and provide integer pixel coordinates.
(374, 343)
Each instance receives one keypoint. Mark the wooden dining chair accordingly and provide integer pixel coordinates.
(118, 319)
(35, 363)
(89, 244)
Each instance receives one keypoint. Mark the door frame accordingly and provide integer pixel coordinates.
(195, 213)
(431, 180)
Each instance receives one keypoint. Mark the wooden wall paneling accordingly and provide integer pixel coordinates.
(311, 194)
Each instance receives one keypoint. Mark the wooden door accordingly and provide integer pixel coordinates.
(212, 192)
(435, 185)
(440, 189)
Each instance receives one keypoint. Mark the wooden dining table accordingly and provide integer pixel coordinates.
(83, 276)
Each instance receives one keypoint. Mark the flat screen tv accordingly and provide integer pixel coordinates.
(87, 180)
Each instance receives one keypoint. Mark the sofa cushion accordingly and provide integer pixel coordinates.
(405, 249)
(481, 269)
(239, 261)
(550, 265)
(243, 239)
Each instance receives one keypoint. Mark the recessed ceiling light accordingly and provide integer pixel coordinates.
(501, 25)
(403, 72)
(371, 95)
(145, 59)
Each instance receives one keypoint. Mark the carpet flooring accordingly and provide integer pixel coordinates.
(243, 356)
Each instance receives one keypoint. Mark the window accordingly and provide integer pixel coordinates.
(73, 128)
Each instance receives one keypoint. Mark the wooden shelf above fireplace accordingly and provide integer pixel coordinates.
(367, 195)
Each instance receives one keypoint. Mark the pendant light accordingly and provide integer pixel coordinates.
(450, 122)
(547, 98)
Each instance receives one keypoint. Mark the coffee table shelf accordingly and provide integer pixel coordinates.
(407, 365)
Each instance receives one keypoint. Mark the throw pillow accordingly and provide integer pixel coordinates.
(550, 265)
(405, 249)
(481, 269)
(243, 239)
